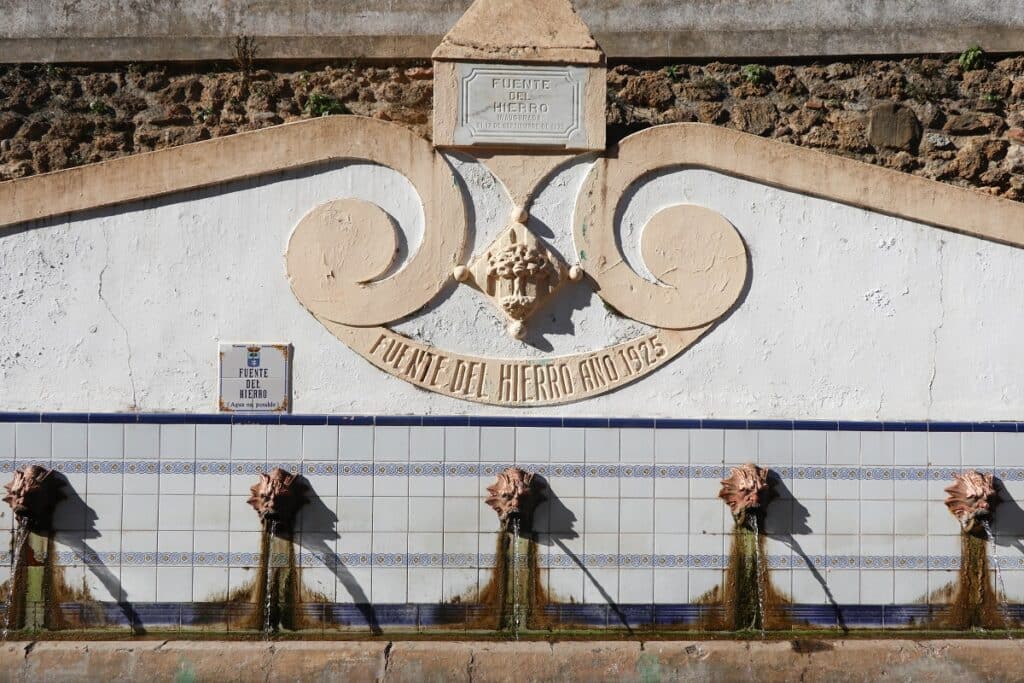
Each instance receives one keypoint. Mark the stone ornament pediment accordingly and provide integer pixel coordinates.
(524, 110)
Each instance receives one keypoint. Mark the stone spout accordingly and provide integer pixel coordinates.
(33, 494)
(514, 496)
(277, 498)
(746, 490)
(971, 499)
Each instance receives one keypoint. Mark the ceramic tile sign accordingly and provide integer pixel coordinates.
(255, 378)
(520, 105)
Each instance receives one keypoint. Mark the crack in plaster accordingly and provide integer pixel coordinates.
(124, 330)
(935, 332)
(386, 664)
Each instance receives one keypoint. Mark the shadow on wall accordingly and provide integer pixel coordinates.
(560, 524)
(787, 518)
(1007, 519)
(75, 522)
(318, 528)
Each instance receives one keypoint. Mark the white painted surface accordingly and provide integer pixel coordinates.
(849, 314)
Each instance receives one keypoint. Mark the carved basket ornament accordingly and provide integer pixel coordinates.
(278, 496)
(745, 490)
(33, 494)
(514, 495)
(972, 496)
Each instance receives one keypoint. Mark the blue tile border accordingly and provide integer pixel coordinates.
(512, 421)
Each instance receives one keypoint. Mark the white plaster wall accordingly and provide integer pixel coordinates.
(849, 314)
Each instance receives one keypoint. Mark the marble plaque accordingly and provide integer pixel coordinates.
(521, 105)
(255, 378)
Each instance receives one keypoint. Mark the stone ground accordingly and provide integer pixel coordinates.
(562, 662)
(933, 117)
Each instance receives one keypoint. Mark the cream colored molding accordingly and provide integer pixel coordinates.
(515, 383)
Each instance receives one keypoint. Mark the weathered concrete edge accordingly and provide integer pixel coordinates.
(304, 143)
(618, 45)
(837, 660)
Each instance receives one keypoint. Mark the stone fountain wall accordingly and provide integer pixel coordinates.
(399, 514)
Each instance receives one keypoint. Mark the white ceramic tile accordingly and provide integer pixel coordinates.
(498, 444)
(911, 449)
(390, 484)
(178, 442)
(809, 489)
(774, 446)
(842, 489)
(672, 446)
(600, 516)
(702, 582)
(173, 542)
(1009, 449)
(809, 517)
(106, 442)
(243, 542)
(671, 515)
(322, 582)
(740, 446)
(32, 442)
(284, 443)
(633, 486)
(176, 484)
(939, 583)
(978, 449)
(602, 586)
(249, 442)
(138, 584)
(242, 516)
(842, 448)
(390, 513)
(355, 443)
(707, 446)
(940, 521)
(533, 444)
(875, 519)
(809, 447)
(636, 544)
(636, 445)
(391, 443)
(356, 586)
(877, 489)
(462, 444)
(671, 487)
(707, 516)
(705, 488)
(320, 442)
(567, 444)
(426, 542)
(425, 585)
(461, 514)
(210, 542)
(671, 586)
(944, 449)
(566, 585)
(103, 583)
(213, 442)
(636, 515)
(390, 543)
(489, 522)
(601, 445)
(458, 583)
(426, 444)
(211, 484)
(241, 578)
(176, 512)
(843, 517)
(425, 485)
(70, 441)
(877, 448)
(600, 487)
(636, 586)
(463, 485)
(137, 543)
(807, 588)
(139, 512)
(105, 510)
(141, 441)
(944, 545)
(909, 586)
(7, 440)
(356, 514)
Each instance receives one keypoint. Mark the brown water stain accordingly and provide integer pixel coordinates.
(973, 601)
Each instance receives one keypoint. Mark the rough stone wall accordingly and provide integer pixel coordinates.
(931, 117)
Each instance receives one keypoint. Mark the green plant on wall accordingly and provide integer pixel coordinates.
(756, 74)
(320, 104)
(972, 58)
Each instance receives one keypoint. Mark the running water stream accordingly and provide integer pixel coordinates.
(759, 618)
(268, 597)
(515, 578)
(1004, 608)
(20, 537)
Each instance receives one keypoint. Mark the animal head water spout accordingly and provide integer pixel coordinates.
(514, 496)
(33, 494)
(745, 491)
(277, 497)
(972, 496)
